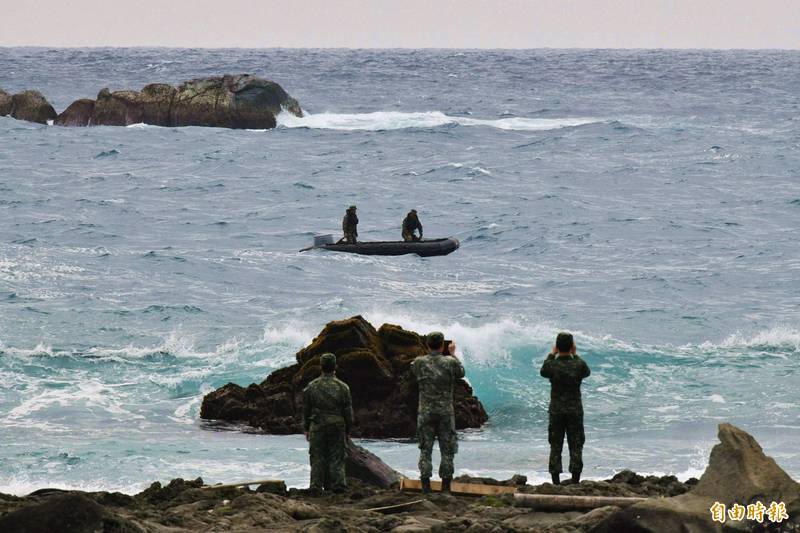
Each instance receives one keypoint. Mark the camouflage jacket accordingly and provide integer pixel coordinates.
(326, 400)
(350, 223)
(565, 374)
(436, 375)
(411, 223)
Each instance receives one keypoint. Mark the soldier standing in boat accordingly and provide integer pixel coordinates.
(350, 226)
(436, 375)
(565, 370)
(327, 418)
(411, 224)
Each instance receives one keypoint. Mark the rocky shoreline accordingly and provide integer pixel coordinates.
(231, 101)
(186, 506)
(738, 472)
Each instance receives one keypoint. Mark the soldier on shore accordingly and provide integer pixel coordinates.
(565, 370)
(436, 375)
(327, 418)
(411, 224)
(350, 226)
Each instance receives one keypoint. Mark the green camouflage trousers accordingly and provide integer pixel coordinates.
(429, 427)
(327, 450)
(409, 236)
(572, 425)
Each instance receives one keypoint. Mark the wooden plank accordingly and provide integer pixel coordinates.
(565, 502)
(243, 483)
(458, 488)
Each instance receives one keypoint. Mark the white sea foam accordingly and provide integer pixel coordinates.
(486, 344)
(395, 120)
(784, 337)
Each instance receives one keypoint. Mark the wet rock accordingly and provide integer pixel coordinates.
(5, 103)
(156, 493)
(588, 521)
(376, 365)
(79, 113)
(627, 476)
(31, 106)
(539, 519)
(326, 525)
(272, 487)
(230, 101)
(738, 472)
(64, 513)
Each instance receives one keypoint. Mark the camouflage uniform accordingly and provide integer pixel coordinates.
(566, 409)
(327, 417)
(350, 226)
(410, 224)
(436, 374)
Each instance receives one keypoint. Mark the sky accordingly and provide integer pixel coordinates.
(403, 23)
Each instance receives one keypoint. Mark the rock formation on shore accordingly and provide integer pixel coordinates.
(27, 105)
(182, 506)
(738, 472)
(231, 101)
(376, 365)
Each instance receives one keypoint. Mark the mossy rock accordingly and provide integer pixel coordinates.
(376, 366)
(368, 374)
(341, 336)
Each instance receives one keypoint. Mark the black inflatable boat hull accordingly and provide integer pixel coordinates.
(425, 248)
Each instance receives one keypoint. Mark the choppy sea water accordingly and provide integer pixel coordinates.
(649, 201)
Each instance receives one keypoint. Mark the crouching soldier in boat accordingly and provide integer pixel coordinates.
(411, 224)
(566, 371)
(350, 226)
(436, 375)
(327, 418)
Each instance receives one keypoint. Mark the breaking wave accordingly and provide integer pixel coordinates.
(396, 120)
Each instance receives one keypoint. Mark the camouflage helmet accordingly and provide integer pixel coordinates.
(351, 208)
(327, 361)
(435, 338)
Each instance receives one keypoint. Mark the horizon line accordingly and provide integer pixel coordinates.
(389, 48)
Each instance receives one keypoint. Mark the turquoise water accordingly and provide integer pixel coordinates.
(647, 201)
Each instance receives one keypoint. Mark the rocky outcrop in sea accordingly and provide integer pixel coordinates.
(27, 105)
(376, 364)
(232, 101)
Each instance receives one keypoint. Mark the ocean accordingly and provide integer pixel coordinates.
(648, 201)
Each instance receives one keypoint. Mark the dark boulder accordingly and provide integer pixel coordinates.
(159, 494)
(376, 365)
(241, 101)
(64, 513)
(31, 106)
(79, 113)
(5, 103)
(738, 472)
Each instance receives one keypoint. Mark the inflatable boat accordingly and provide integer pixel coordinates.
(423, 248)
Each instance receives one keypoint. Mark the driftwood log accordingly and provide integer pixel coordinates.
(368, 467)
(561, 502)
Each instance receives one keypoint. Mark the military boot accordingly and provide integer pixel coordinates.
(556, 479)
(576, 477)
(426, 485)
(446, 484)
